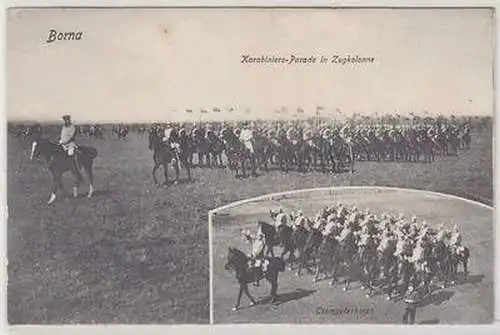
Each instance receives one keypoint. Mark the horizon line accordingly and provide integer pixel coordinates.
(301, 117)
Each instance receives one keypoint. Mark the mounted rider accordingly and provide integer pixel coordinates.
(256, 258)
(308, 136)
(247, 137)
(171, 136)
(291, 135)
(67, 141)
(455, 241)
(196, 132)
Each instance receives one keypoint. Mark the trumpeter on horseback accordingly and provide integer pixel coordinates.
(256, 258)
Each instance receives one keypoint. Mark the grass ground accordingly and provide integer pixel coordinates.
(136, 253)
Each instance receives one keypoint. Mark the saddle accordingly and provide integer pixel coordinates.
(258, 264)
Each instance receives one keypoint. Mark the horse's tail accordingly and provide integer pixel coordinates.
(92, 153)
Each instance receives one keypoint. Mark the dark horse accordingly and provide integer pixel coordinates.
(59, 163)
(238, 154)
(164, 154)
(245, 274)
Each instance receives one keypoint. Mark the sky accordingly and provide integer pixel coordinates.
(152, 64)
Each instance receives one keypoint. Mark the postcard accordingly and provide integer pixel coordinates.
(319, 166)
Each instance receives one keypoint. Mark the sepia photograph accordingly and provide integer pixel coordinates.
(250, 166)
(355, 254)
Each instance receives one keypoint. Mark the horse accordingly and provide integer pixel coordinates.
(345, 154)
(96, 131)
(270, 236)
(163, 155)
(310, 250)
(215, 149)
(389, 264)
(444, 262)
(458, 257)
(245, 274)
(59, 163)
(368, 259)
(120, 131)
(238, 154)
(348, 252)
(327, 259)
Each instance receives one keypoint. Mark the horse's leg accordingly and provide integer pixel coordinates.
(274, 287)
(247, 293)
(154, 172)
(77, 177)
(188, 168)
(317, 270)
(90, 175)
(176, 169)
(271, 249)
(334, 271)
(237, 305)
(56, 183)
(165, 173)
(253, 161)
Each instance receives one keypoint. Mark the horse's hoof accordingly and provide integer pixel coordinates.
(234, 309)
(89, 195)
(253, 303)
(368, 296)
(52, 199)
(345, 289)
(331, 283)
(363, 287)
(314, 280)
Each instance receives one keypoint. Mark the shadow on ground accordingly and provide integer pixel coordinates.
(289, 296)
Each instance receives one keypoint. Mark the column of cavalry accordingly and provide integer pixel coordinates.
(388, 254)
(302, 146)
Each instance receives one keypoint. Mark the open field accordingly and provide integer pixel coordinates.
(136, 253)
(302, 301)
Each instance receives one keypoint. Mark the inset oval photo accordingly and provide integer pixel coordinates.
(353, 255)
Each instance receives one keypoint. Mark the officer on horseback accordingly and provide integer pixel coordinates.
(171, 136)
(67, 141)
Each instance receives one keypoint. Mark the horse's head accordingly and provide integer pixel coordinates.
(153, 140)
(235, 259)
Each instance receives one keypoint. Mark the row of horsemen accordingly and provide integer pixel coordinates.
(390, 251)
(301, 145)
(305, 145)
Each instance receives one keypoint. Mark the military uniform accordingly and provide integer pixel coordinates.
(411, 299)
(67, 141)
(246, 136)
